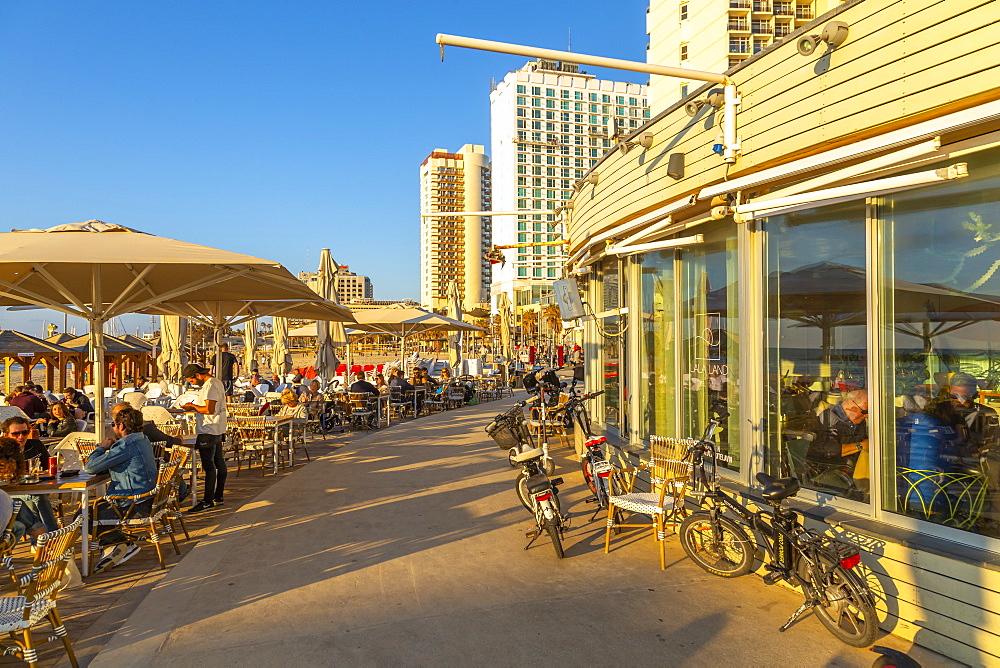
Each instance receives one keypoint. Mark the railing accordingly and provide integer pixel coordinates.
(763, 29)
(739, 4)
(739, 26)
(781, 31)
(739, 47)
(762, 7)
(803, 13)
(783, 9)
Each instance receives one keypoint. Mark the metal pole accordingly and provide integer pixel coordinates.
(579, 58)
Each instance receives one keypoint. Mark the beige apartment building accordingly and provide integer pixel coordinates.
(849, 251)
(715, 35)
(453, 248)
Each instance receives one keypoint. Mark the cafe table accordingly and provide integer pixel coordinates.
(273, 423)
(88, 486)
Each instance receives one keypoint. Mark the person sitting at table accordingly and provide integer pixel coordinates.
(79, 402)
(19, 429)
(312, 395)
(29, 522)
(396, 379)
(149, 428)
(32, 405)
(130, 462)
(256, 379)
(380, 383)
(362, 385)
(60, 421)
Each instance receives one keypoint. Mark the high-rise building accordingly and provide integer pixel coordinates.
(714, 35)
(453, 248)
(550, 122)
(350, 286)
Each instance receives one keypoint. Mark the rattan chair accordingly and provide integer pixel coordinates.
(398, 403)
(256, 440)
(455, 396)
(364, 410)
(36, 599)
(437, 400)
(664, 504)
(136, 523)
(179, 458)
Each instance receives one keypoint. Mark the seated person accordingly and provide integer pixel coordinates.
(362, 385)
(380, 383)
(396, 379)
(842, 437)
(256, 379)
(60, 421)
(290, 407)
(19, 429)
(29, 522)
(130, 463)
(78, 402)
(33, 406)
(149, 428)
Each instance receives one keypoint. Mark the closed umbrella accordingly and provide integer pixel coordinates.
(328, 334)
(98, 271)
(503, 310)
(250, 344)
(281, 359)
(173, 354)
(455, 338)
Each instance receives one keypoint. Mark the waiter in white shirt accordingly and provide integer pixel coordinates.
(210, 430)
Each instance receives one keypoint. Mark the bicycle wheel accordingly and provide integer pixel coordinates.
(730, 557)
(847, 611)
(549, 466)
(588, 475)
(522, 491)
(553, 529)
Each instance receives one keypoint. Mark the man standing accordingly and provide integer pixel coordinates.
(210, 429)
(230, 367)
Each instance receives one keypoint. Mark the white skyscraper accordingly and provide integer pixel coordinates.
(549, 124)
(453, 248)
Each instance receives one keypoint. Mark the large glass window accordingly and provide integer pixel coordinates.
(710, 338)
(816, 349)
(657, 398)
(941, 290)
(611, 344)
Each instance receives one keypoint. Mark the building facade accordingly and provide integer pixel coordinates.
(453, 248)
(715, 35)
(350, 286)
(549, 123)
(846, 268)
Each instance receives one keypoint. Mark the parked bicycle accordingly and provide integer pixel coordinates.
(821, 566)
(546, 388)
(535, 490)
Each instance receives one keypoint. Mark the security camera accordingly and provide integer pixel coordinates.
(646, 139)
(834, 34)
(693, 107)
(715, 99)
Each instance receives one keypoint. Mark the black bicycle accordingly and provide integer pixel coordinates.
(821, 566)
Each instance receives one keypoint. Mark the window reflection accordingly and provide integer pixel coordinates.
(817, 353)
(656, 345)
(610, 345)
(710, 343)
(941, 288)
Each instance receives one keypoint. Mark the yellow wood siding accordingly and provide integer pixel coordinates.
(904, 61)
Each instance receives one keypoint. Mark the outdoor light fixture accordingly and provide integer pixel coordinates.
(646, 139)
(593, 178)
(715, 99)
(834, 34)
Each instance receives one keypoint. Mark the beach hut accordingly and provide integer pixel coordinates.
(29, 352)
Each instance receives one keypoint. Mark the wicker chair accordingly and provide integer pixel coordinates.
(437, 400)
(179, 458)
(455, 396)
(153, 524)
(256, 438)
(398, 403)
(84, 447)
(664, 504)
(36, 600)
(364, 411)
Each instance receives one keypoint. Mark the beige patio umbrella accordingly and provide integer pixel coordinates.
(97, 271)
(503, 309)
(173, 352)
(329, 334)
(249, 344)
(405, 322)
(281, 359)
(454, 339)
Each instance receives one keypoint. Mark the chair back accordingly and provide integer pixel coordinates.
(11, 411)
(253, 428)
(135, 399)
(53, 551)
(360, 401)
(156, 414)
(668, 468)
(395, 393)
(154, 392)
(159, 449)
(242, 409)
(84, 447)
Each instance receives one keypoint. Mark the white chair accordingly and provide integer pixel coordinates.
(11, 411)
(135, 399)
(261, 390)
(89, 390)
(154, 392)
(281, 387)
(156, 414)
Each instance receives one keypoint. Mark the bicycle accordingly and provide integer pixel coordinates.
(821, 566)
(545, 387)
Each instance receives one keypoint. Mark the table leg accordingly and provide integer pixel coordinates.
(85, 534)
(277, 450)
(194, 475)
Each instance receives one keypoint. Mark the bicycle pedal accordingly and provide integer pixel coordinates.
(592, 499)
(773, 577)
(531, 534)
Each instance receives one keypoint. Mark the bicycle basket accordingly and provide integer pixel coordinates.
(509, 430)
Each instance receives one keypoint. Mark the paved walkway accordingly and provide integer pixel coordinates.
(405, 548)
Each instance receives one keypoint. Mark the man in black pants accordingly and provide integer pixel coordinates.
(211, 416)
(230, 367)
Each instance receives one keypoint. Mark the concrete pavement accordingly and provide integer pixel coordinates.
(405, 547)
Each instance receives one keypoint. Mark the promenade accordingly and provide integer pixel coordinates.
(405, 547)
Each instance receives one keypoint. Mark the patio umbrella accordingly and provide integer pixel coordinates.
(455, 313)
(328, 334)
(173, 354)
(405, 322)
(250, 344)
(281, 359)
(98, 271)
(503, 310)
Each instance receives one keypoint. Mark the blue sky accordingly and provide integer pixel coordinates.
(268, 128)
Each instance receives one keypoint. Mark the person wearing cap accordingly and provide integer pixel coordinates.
(210, 430)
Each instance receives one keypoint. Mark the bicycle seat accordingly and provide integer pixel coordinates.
(534, 453)
(776, 490)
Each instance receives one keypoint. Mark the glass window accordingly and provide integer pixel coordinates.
(611, 345)
(709, 337)
(536, 90)
(941, 291)
(657, 399)
(816, 349)
(521, 90)
(550, 92)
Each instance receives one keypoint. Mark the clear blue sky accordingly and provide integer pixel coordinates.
(268, 128)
